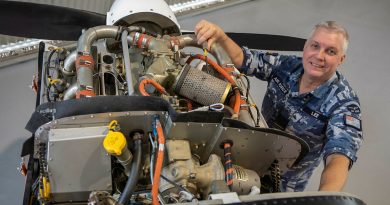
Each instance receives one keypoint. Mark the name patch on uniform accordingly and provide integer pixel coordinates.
(353, 122)
(354, 109)
(315, 114)
(280, 84)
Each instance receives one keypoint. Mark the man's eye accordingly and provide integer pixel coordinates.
(314, 45)
(331, 52)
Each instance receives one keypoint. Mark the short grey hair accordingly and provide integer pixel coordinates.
(334, 27)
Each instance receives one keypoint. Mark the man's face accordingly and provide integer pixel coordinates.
(322, 54)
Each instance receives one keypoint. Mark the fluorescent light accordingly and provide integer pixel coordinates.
(194, 4)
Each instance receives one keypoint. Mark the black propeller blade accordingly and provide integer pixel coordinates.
(42, 21)
(268, 41)
(31, 20)
(265, 41)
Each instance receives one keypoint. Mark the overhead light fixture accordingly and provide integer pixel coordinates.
(191, 5)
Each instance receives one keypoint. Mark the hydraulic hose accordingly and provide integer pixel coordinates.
(228, 164)
(134, 171)
(159, 162)
(152, 82)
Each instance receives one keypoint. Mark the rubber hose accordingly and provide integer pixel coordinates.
(134, 173)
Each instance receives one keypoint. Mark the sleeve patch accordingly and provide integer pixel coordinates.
(354, 109)
(353, 122)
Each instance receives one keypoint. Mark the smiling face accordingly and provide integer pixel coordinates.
(322, 54)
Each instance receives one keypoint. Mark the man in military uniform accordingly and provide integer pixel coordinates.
(307, 97)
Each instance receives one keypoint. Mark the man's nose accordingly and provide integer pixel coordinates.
(320, 54)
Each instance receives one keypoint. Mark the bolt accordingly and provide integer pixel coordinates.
(174, 172)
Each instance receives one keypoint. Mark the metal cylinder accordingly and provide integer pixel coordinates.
(201, 87)
(244, 180)
(125, 159)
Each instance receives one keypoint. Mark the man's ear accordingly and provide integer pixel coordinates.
(342, 59)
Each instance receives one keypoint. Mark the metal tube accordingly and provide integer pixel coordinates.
(129, 79)
(125, 159)
(70, 93)
(91, 35)
(216, 49)
(69, 64)
(84, 61)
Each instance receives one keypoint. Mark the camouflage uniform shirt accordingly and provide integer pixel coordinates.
(328, 118)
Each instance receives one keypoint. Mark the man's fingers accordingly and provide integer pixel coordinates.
(207, 32)
(199, 26)
(210, 36)
(203, 35)
(210, 42)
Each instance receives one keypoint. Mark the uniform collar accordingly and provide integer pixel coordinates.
(318, 92)
(324, 87)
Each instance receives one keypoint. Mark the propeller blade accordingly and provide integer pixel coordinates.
(268, 41)
(42, 21)
(265, 41)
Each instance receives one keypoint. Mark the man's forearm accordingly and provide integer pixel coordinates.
(335, 173)
(234, 51)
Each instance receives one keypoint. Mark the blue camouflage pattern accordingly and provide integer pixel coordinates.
(323, 118)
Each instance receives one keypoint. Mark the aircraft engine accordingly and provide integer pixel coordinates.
(138, 113)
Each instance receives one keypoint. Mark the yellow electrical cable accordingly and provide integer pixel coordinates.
(47, 189)
(41, 194)
(45, 193)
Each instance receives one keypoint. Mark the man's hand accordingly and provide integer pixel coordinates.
(335, 173)
(211, 33)
(208, 32)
